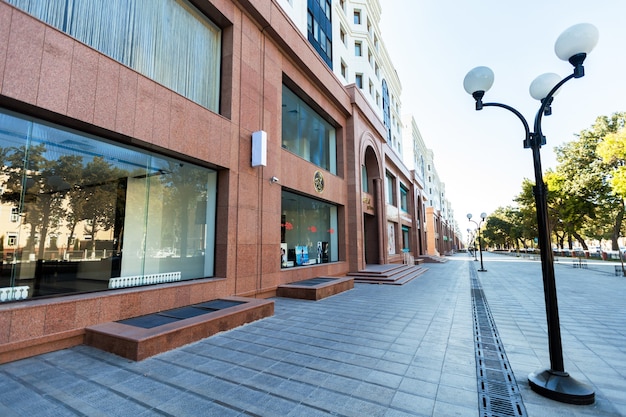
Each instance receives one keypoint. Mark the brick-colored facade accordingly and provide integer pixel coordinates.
(46, 74)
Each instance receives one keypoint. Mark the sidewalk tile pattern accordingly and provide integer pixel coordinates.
(374, 351)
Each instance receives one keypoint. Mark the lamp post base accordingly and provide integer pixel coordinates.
(481, 270)
(559, 386)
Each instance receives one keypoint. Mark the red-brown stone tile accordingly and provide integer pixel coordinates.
(126, 101)
(5, 319)
(110, 308)
(130, 305)
(5, 26)
(249, 114)
(27, 323)
(106, 92)
(178, 121)
(249, 189)
(60, 317)
(23, 63)
(247, 260)
(182, 295)
(144, 114)
(56, 66)
(162, 116)
(248, 226)
(88, 312)
(82, 95)
(271, 259)
(166, 299)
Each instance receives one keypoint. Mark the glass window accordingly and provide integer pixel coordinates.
(15, 214)
(358, 80)
(406, 246)
(357, 17)
(364, 180)
(308, 231)
(97, 215)
(169, 41)
(404, 201)
(306, 134)
(358, 48)
(391, 189)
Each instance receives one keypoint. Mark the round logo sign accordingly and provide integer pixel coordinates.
(318, 181)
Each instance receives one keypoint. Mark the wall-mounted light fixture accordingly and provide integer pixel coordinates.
(259, 148)
(274, 180)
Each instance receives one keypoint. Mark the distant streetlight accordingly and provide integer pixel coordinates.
(483, 216)
(470, 240)
(573, 45)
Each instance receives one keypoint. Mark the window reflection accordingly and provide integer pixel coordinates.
(308, 231)
(306, 134)
(77, 211)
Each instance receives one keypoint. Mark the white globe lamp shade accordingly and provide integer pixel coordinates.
(478, 79)
(580, 38)
(541, 86)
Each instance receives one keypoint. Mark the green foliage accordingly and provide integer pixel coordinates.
(504, 229)
(612, 150)
(586, 191)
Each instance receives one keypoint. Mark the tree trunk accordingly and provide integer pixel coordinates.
(617, 227)
(580, 240)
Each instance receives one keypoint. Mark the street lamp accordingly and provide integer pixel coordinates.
(483, 216)
(572, 45)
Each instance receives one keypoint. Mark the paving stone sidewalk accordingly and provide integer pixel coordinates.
(377, 350)
(592, 313)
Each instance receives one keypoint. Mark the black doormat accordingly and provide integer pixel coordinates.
(150, 321)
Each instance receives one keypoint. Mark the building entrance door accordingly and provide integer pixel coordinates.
(370, 229)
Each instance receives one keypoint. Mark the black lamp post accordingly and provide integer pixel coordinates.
(483, 216)
(573, 45)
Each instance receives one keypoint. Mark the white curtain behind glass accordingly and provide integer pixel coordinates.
(168, 41)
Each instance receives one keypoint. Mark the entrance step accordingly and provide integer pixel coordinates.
(315, 288)
(390, 274)
(433, 259)
(140, 337)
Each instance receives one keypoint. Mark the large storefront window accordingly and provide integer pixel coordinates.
(169, 41)
(308, 231)
(306, 134)
(79, 213)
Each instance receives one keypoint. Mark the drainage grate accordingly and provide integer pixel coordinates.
(498, 394)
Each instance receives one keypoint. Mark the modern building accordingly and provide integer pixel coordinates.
(159, 156)
(359, 57)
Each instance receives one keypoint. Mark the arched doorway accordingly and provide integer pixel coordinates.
(371, 188)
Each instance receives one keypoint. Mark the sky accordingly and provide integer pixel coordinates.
(479, 155)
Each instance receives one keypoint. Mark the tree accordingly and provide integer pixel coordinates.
(612, 150)
(504, 228)
(32, 185)
(586, 176)
(96, 199)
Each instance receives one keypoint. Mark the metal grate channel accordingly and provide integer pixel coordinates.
(498, 394)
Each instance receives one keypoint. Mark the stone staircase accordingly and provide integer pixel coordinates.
(390, 274)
